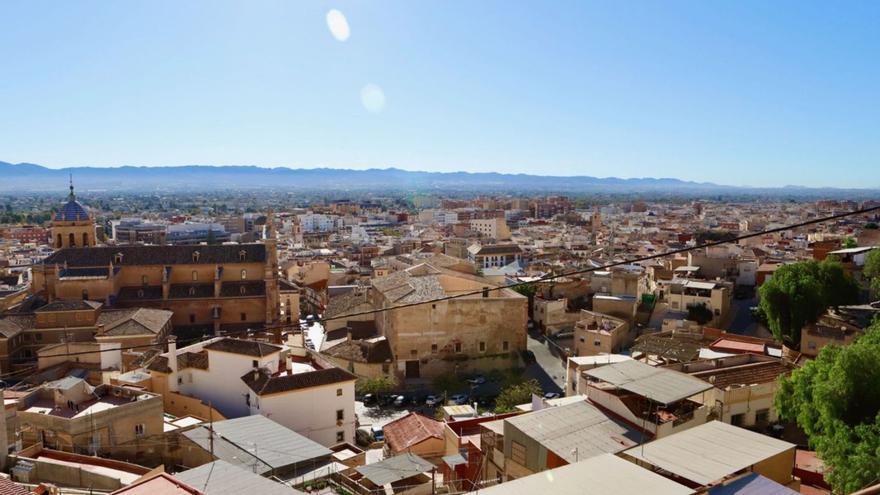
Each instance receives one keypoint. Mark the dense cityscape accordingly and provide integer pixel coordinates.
(412, 343)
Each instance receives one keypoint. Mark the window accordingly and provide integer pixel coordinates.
(505, 346)
(140, 292)
(338, 392)
(413, 353)
(71, 239)
(192, 318)
(518, 453)
(811, 346)
(117, 258)
(38, 336)
(85, 239)
(145, 279)
(458, 347)
(241, 255)
(738, 419)
(244, 274)
(340, 436)
(482, 347)
(597, 343)
(196, 256)
(340, 414)
(192, 291)
(241, 290)
(244, 317)
(85, 294)
(762, 416)
(140, 429)
(255, 364)
(433, 348)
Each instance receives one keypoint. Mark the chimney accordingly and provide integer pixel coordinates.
(172, 363)
(256, 374)
(289, 364)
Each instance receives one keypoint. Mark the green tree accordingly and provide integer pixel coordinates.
(448, 383)
(849, 242)
(872, 269)
(799, 293)
(376, 385)
(514, 395)
(699, 313)
(836, 400)
(528, 290)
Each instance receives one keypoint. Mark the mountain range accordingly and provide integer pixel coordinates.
(27, 177)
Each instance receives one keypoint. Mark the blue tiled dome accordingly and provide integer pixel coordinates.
(72, 211)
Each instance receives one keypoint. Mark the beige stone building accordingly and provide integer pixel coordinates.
(597, 333)
(483, 330)
(72, 225)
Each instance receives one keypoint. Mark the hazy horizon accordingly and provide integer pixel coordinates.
(741, 94)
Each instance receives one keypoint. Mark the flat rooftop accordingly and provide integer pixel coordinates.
(710, 452)
(657, 384)
(94, 406)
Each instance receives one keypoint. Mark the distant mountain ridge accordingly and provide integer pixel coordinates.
(36, 178)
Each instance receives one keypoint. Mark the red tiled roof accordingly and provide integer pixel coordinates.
(410, 430)
(745, 374)
(9, 487)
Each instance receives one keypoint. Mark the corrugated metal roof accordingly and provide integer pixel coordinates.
(658, 384)
(575, 431)
(274, 444)
(399, 467)
(600, 475)
(709, 452)
(223, 478)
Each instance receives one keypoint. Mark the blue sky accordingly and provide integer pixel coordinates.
(763, 93)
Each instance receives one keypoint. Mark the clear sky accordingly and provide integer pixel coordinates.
(762, 93)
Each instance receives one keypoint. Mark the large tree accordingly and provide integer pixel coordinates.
(516, 394)
(836, 400)
(872, 269)
(799, 293)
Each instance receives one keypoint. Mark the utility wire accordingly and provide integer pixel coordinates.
(545, 278)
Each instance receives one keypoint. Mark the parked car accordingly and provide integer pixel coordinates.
(551, 395)
(432, 400)
(458, 399)
(400, 401)
(369, 399)
(477, 380)
(378, 433)
(529, 357)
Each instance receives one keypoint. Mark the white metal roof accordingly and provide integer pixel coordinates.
(854, 250)
(709, 452)
(600, 475)
(700, 285)
(658, 384)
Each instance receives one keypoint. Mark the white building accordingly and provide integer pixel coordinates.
(315, 222)
(244, 377)
(494, 228)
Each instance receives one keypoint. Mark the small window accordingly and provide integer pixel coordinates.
(340, 436)
(505, 346)
(192, 318)
(482, 347)
(242, 291)
(140, 292)
(192, 291)
(244, 317)
(195, 276)
(140, 429)
(738, 419)
(433, 348)
(811, 346)
(196, 256)
(597, 343)
(145, 279)
(242, 255)
(117, 258)
(338, 392)
(413, 353)
(85, 294)
(458, 347)
(340, 414)
(244, 274)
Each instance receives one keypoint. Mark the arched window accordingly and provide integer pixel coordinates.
(85, 294)
(192, 291)
(117, 258)
(195, 276)
(241, 290)
(58, 241)
(244, 274)
(85, 239)
(241, 255)
(71, 240)
(196, 256)
(140, 292)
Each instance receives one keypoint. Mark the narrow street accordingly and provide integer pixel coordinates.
(548, 369)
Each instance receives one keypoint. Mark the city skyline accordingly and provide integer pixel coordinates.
(735, 94)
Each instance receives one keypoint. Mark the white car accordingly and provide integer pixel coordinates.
(458, 399)
(432, 400)
(477, 380)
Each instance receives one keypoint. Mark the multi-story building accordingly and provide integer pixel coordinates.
(596, 333)
(72, 225)
(242, 377)
(493, 228)
(476, 332)
(680, 294)
(494, 255)
(71, 415)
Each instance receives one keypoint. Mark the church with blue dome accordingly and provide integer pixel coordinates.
(72, 226)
